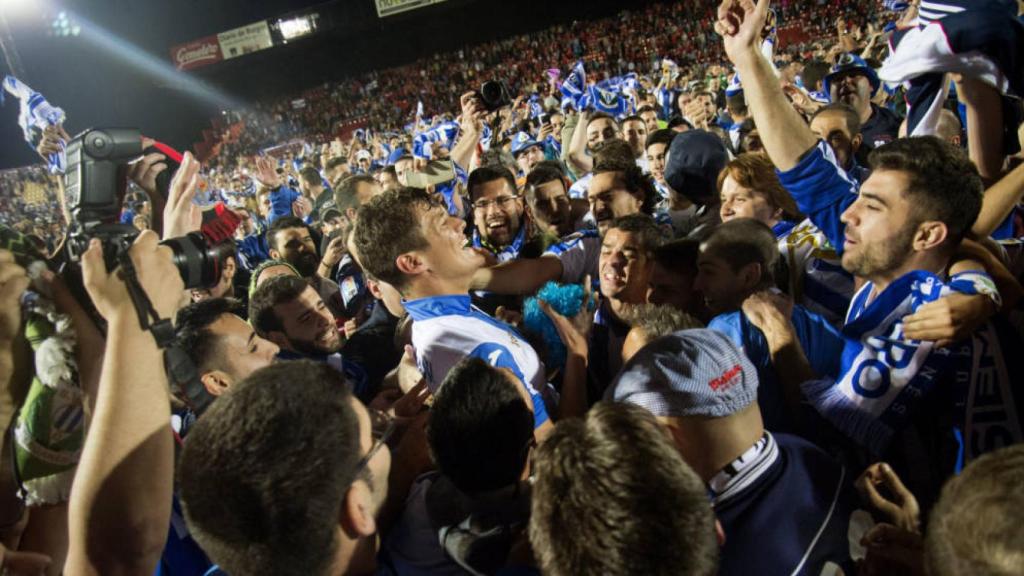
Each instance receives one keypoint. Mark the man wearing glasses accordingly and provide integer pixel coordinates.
(288, 475)
(501, 225)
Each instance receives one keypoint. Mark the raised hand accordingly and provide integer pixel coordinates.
(145, 170)
(181, 215)
(740, 23)
(155, 270)
(266, 172)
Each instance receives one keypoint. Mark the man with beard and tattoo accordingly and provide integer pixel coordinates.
(854, 83)
(501, 225)
(288, 312)
(289, 240)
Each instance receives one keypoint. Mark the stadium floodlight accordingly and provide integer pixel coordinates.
(297, 27)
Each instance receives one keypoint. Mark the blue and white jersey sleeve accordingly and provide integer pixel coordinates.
(580, 254)
(822, 191)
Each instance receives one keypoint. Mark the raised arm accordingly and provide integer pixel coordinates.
(121, 501)
(578, 159)
(524, 276)
(471, 127)
(999, 200)
(785, 135)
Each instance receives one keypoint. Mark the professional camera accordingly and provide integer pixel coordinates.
(493, 94)
(94, 187)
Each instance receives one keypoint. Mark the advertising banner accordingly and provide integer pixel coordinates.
(391, 7)
(196, 54)
(244, 40)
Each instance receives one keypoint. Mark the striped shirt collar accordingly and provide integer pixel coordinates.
(745, 470)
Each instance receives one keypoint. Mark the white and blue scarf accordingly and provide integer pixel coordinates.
(36, 115)
(444, 133)
(508, 253)
(884, 376)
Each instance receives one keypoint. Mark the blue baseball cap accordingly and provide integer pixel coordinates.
(522, 142)
(849, 62)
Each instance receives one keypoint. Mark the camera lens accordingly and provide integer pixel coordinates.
(198, 263)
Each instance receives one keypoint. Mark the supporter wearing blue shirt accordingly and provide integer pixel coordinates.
(407, 240)
(736, 260)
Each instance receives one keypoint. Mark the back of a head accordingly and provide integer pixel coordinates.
(613, 155)
(944, 184)
(480, 428)
(345, 196)
(387, 227)
(679, 256)
(744, 241)
(695, 159)
(310, 176)
(814, 72)
(615, 478)
(264, 472)
(656, 321)
(975, 527)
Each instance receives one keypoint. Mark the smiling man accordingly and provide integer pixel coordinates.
(407, 240)
(625, 268)
(288, 312)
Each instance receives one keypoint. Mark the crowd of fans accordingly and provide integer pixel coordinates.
(761, 322)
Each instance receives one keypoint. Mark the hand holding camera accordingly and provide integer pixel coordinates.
(154, 268)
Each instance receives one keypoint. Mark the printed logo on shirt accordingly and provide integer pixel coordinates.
(726, 379)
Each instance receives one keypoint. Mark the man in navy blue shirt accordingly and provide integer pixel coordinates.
(785, 505)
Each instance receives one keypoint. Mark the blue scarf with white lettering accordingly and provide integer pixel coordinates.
(36, 114)
(883, 375)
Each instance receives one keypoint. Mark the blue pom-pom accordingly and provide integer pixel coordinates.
(566, 299)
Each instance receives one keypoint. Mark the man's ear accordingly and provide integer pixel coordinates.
(930, 235)
(410, 263)
(216, 382)
(750, 275)
(855, 142)
(274, 254)
(356, 514)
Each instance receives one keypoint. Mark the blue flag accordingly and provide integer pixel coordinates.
(575, 85)
(608, 99)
